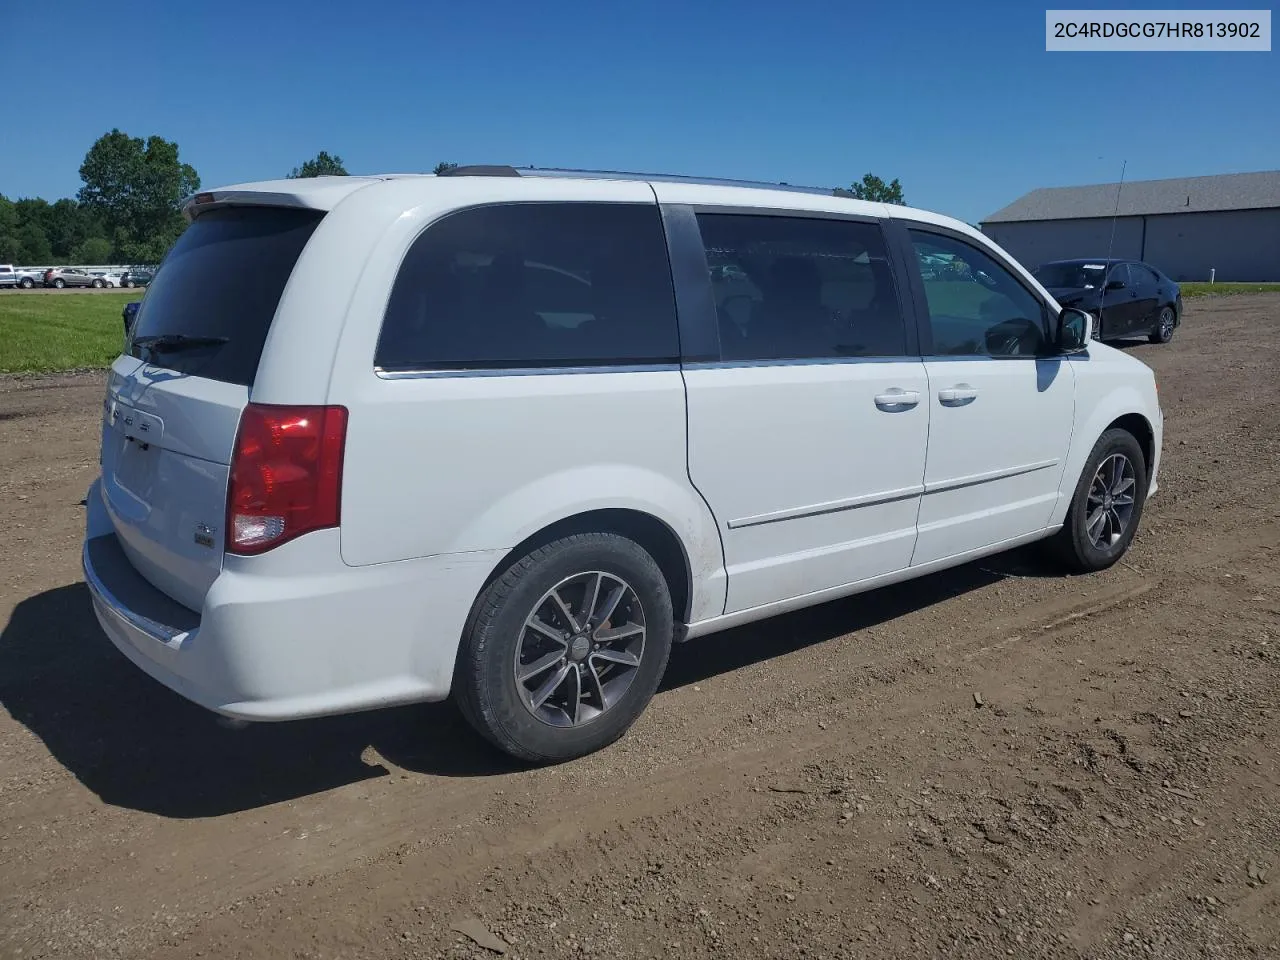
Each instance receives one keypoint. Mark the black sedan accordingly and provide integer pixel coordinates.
(1127, 298)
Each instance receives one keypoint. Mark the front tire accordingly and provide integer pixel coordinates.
(565, 648)
(98, 284)
(1162, 332)
(1107, 505)
(127, 284)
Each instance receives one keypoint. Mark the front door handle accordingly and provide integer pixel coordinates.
(896, 399)
(957, 396)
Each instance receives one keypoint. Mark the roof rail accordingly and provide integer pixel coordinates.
(502, 170)
(481, 170)
(667, 178)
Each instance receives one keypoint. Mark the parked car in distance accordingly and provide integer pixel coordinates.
(508, 436)
(12, 277)
(109, 279)
(136, 278)
(60, 277)
(1127, 298)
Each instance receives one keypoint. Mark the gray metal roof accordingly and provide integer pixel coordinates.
(1228, 191)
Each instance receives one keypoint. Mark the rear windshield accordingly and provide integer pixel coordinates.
(210, 305)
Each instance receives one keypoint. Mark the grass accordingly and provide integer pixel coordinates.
(68, 331)
(1205, 289)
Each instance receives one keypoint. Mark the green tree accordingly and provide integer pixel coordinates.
(872, 187)
(444, 167)
(92, 250)
(33, 210)
(137, 186)
(69, 225)
(33, 246)
(8, 230)
(321, 165)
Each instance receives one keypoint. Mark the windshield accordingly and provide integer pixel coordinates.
(1078, 274)
(217, 292)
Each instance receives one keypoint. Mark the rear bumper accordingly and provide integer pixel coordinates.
(292, 633)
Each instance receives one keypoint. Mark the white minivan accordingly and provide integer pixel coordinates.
(509, 434)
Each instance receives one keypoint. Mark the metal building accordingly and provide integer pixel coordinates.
(1229, 224)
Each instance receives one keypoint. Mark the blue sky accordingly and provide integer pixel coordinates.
(959, 100)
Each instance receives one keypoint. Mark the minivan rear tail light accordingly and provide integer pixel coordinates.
(286, 475)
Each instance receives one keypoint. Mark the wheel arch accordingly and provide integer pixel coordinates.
(654, 535)
(1140, 428)
(1104, 404)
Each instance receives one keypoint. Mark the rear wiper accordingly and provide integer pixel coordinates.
(174, 342)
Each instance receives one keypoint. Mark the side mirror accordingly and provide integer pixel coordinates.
(1075, 329)
(1115, 285)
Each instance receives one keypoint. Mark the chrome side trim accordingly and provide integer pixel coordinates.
(976, 478)
(438, 374)
(967, 357)
(832, 506)
(105, 599)
(797, 362)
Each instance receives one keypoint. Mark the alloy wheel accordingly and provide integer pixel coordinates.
(1111, 501)
(1166, 323)
(580, 649)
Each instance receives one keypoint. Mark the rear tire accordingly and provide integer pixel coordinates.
(58, 284)
(545, 672)
(1162, 332)
(127, 284)
(27, 284)
(98, 284)
(1107, 505)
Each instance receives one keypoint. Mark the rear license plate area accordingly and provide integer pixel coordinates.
(136, 467)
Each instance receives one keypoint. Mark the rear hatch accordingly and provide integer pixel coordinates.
(175, 396)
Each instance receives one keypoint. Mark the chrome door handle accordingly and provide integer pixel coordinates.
(896, 399)
(957, 396)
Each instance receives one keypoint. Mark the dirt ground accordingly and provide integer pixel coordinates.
(820, 786)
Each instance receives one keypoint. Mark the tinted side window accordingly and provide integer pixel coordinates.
(976, 306)
(531, 285)
(796, 288)
(1120, 273)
